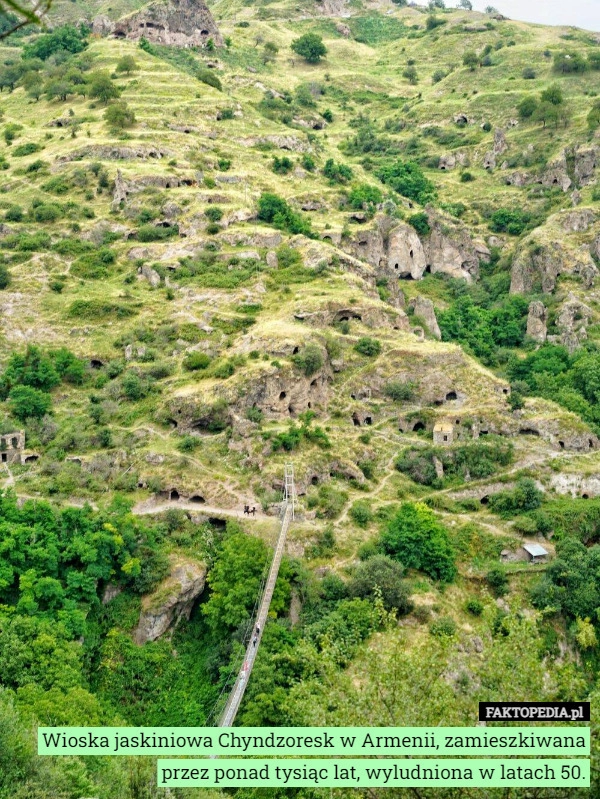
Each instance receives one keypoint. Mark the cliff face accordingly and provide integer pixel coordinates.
(183, 23)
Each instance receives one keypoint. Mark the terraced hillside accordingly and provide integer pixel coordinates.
(382, 267)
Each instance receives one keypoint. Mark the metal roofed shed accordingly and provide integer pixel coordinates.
(535, 553)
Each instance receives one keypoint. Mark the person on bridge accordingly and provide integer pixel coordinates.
(254, 640)
(257, 629)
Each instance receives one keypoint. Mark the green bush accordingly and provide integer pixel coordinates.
(208, 76)
(29, 403)
(195, 361)
(14, 214)
(365, 197)
(361, 513)
(419, 541)
(147, 233)
(497, 581)
(474, 607)
(26, 149)
(277, 212)
(310, 46)
(380, 576)
(507, 220)
(337, 172)
(408, 179)
(283, 165)
(214, 213)
(46, 212)
(368, 346)
(420, 222)
(4, 276)
(66, 38)
(398, 391)
(309, 360)
(525, 496)
(444, 627)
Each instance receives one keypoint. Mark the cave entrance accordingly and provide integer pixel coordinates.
(174, 494)
(419, 426)
(451, 395)
(198, 500)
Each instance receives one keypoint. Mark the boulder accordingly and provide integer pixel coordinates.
(172, 600)
(586, 161)
(343, 30)
(556, 174)
(447, 162)
(537, 322)
(102, 26)
(151, 275)
(578, 221)
(500, 143)
(545, 262)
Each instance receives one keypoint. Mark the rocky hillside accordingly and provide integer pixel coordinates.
(363, 238)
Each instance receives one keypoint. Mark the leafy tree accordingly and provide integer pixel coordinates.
(235, 581)
(524, 497)
(365, 197)
(509, 220)
(283, 165)
(66, 38)
(527, 107)
(127, 64)
(420, 222)
(58, 89)
(408, 179)
(381, 576)
(102, 88)
(411, 75)
(594, 60)
(466, 4)
(119, 116)
(471, 60)
(309, 360)
(553, 95)
(416, 539)
(567, 63)
(29, 403)
(310, 46)
(399, 391)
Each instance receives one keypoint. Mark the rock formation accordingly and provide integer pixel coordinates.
(183, 23)
(543, 263)
(423, 308)
(172, 600)
(537, 321)
(573, 320)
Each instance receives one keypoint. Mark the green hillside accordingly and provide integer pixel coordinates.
(380, 267)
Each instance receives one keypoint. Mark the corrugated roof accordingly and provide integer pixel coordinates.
(535, 550)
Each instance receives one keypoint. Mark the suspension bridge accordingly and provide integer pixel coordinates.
(288, 508)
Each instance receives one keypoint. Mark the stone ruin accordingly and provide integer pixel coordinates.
(183, 23)
(11, 447)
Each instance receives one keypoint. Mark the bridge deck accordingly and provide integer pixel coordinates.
(237, 694)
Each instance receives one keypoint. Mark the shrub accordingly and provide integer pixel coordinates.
(467, 177)
(337, 173)
(368, 346)
(127, 64)
(208, 76)
(419, 541)
(365, 197)
(26, 149)
(119, 116)
(513, 221)
(283, 165)
(398, 391)
(26, 402)
(309, 360)
(4, 276)
(566, 63)
(497, 581)
(310, 46)
(420, 222)
(46, 212)
(411, 75)
(444, 627)
(14, 214)
(407, 178)
(214, 213)
(361, 513)
(524, 497)
(529, 73)
(308, 162)
(380, 576)
(474, 607)
(195, 361)
(148, 233)
(276, 211)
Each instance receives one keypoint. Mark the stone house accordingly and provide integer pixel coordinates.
(443, 434)
(11, 447)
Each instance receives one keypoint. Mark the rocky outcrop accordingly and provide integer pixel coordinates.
(110, 152)
(291, 143)
(556, 174)
(171, 601)
(541, 264)
(123, 188)
(499, 148)
(537, 322)
(369, 315)
(180, 23)
(424, 309)
(572, 321)
(102, 26)
(576, 485)
(395, 250)
(586, 161)
(406, 256)
(578, 221)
